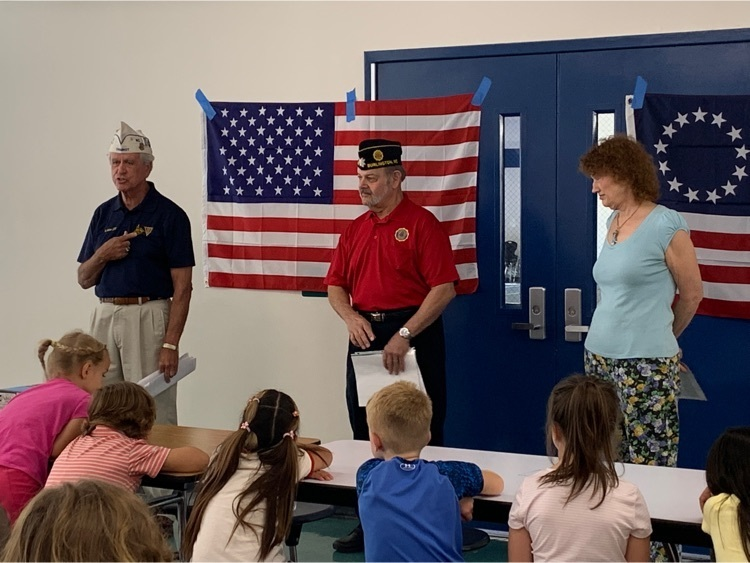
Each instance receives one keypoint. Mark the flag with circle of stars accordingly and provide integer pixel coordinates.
(270, 153)
(700, 145)
(701, 148)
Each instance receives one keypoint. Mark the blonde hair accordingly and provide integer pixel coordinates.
(124, 406)
(70, 353)
(400, 415)
(86, 521)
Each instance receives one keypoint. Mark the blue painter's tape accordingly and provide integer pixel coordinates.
(205, 104)
(639, 92)
(351, 97)
(484, 87)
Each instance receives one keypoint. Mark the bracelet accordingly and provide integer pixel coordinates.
(169, 346)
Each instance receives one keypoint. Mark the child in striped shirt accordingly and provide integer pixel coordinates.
(113, 446)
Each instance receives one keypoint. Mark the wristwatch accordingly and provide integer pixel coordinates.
(404, 333)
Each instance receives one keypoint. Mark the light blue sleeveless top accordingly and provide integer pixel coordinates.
(634, 316)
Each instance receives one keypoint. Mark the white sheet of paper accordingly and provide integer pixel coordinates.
(689, 387)
(155, 383)
(372, 376)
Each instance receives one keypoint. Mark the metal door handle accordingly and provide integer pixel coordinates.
(536, 325)
(524, 326)
(573, 326)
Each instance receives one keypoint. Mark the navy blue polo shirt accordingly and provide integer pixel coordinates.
(163, 243)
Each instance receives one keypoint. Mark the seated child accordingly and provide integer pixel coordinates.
(37, 424)
(726, 500)
(86, 521)
(409, 507)
(113, 446)
(578, 509)
(244, 509)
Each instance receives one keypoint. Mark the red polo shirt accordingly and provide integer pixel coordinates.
(392, 263)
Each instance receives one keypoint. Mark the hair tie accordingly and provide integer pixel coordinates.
(253, 400)
(291, 434)
(245, 426)
(54, 343)
(295, 414)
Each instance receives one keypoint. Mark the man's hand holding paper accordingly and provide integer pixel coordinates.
(372, 374)
(394, 354)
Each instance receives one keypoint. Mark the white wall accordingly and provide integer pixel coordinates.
(71, 71)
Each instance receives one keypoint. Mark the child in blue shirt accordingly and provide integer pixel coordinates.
(409, 507)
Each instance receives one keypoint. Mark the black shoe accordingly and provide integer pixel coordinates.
(353, 542)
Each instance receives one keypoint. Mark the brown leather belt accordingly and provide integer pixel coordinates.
(128, 300)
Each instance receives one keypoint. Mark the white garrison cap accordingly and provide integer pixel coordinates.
(128, 140)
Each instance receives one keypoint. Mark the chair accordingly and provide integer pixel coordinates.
(474, 538)
(4, 527)
(304, 512)
(173, 502)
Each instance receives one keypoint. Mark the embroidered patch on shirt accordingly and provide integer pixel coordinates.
(402, 234)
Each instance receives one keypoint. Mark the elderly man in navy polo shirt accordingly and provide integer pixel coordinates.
(138, 252)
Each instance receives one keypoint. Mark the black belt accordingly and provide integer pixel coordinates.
(385, 316)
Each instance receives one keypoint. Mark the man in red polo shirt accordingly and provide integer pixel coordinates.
(390, 279)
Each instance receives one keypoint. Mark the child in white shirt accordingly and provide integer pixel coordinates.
(244, 509)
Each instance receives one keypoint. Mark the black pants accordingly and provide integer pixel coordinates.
(430, 352)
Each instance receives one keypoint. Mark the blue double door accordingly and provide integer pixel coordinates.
(500, 378)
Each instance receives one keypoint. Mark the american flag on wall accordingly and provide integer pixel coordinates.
(280, 183)
(700, 146)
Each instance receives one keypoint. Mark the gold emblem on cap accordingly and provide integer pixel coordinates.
(401, 234)
(377, 155)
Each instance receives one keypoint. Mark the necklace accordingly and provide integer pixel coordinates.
(616, 232)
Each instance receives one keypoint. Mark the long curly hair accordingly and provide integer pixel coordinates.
(627, 162)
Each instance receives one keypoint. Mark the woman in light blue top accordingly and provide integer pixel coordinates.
(646, 259)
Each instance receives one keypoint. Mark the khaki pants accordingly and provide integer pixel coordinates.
(134, 335)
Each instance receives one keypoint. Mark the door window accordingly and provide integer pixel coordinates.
(510, 202)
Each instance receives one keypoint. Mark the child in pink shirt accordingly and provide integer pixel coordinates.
(37, 424)
(113, 446)
(579, 509)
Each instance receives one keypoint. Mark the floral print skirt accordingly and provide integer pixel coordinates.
(648, 389)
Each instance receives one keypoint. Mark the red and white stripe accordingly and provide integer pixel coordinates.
(722, 244)
(289, 246)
